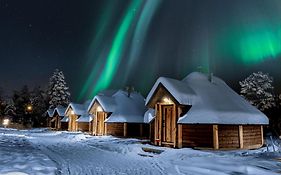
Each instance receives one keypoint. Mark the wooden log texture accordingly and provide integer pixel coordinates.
(252, 135)
(197, 136)
(229, 136)
(115, 129)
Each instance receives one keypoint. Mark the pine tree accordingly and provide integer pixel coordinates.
(21, 100)
(58, 93)
(10, 109)
(39, 105)
(280, 100)
(258, 90)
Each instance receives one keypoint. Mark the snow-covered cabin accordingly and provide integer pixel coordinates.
(118, 114)
(202, 111)
(50, 119)
(78, 117)
(58, 115)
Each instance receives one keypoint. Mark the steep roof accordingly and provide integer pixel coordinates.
(178, 89)
(127, 109)
(122, 108)
(211, 101)
(60, 110)
(64, 119)
(107, 102)
(79, 109)
(85, 118)
(149, 115)
(50, 112)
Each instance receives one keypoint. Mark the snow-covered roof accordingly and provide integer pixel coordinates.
(60, 110)
(122, 108)
(64, 119)
(50, 112)
(178, 89)
(211, 101)
(107, 102)
(109, 92)
(127, 109)
(149, 115)
(79, 109)
(85, 118)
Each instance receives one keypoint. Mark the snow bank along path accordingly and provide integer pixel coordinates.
(46, 152)
(19, 157)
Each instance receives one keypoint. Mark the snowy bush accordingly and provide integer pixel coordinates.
(58, 91)
(258, 90)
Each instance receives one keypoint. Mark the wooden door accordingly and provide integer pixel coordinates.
(168, 124)
(100, 123)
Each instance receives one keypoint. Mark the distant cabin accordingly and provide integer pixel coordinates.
(78, 118)
(59, 114)
(202, 111)
(118, 114)
(50, 119)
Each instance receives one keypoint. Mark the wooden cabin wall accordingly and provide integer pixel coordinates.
(152, 131)
(145, 130)
(83, 126)
(252, 136)
(133, 130)
(115, 129)
(53, 123)
(228, 136)
(137, 130)
(64, 125)
(93, 126)
(197, 135)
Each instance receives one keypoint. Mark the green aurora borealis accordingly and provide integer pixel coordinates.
(162, 38)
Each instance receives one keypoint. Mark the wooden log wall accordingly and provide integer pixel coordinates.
(197, 136)
(228, 136)
(137, 130)
(64, 125)
(152, 131)
(83, 126)
(252, 136)
(115, 129)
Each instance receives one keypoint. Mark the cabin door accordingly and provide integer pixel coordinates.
(100, 123)
(168, 124)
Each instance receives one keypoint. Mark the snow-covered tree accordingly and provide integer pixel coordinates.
(10, 109)
(58, 93)
(258, 90)
(40, 105)
(21, 99)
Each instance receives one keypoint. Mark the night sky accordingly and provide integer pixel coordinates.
(111, 44)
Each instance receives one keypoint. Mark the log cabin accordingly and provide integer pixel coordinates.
(120, 114)
(204, 112)
(83, 122)
(74, 111)
(50, 119)
(58, 116)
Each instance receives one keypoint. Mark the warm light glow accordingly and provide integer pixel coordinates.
(167, 100)
(29, 107)
(99, 109)
(6, 122)
(72, 113)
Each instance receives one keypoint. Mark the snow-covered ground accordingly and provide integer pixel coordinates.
(46, 152)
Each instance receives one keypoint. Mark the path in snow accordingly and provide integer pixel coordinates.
(74, 155)
(18, 156)
(47, 152)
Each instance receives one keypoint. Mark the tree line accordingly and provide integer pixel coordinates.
(28, 106)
